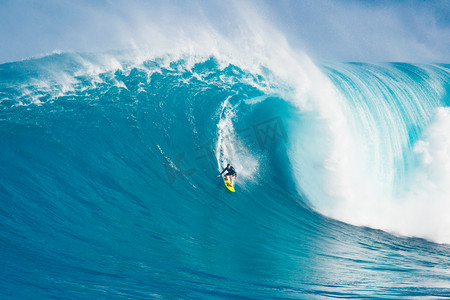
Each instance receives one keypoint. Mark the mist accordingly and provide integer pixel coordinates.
(407, 31)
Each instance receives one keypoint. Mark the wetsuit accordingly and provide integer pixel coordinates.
(231, 171)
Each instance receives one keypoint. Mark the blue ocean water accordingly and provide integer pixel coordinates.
(108, 182)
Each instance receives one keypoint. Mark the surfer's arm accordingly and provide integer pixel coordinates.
(221, 172)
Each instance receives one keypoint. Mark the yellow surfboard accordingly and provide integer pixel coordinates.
(228, 184)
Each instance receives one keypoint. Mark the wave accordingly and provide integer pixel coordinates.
(359, 136)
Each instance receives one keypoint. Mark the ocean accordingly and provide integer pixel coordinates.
(108, 187)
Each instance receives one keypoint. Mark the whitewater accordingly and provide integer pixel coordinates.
(108, 182)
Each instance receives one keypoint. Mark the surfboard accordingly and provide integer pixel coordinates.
(228, 184)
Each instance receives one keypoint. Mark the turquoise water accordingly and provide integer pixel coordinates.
(108, 182)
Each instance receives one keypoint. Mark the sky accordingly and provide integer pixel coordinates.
(366, 31)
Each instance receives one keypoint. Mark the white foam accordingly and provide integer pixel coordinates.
(428, 213)
(230, 149)
(420, 206)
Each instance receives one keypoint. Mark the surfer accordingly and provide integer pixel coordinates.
(230, 172)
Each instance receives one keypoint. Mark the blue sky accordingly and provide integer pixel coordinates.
(411, 31)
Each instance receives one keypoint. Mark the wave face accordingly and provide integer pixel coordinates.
(108, 180)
